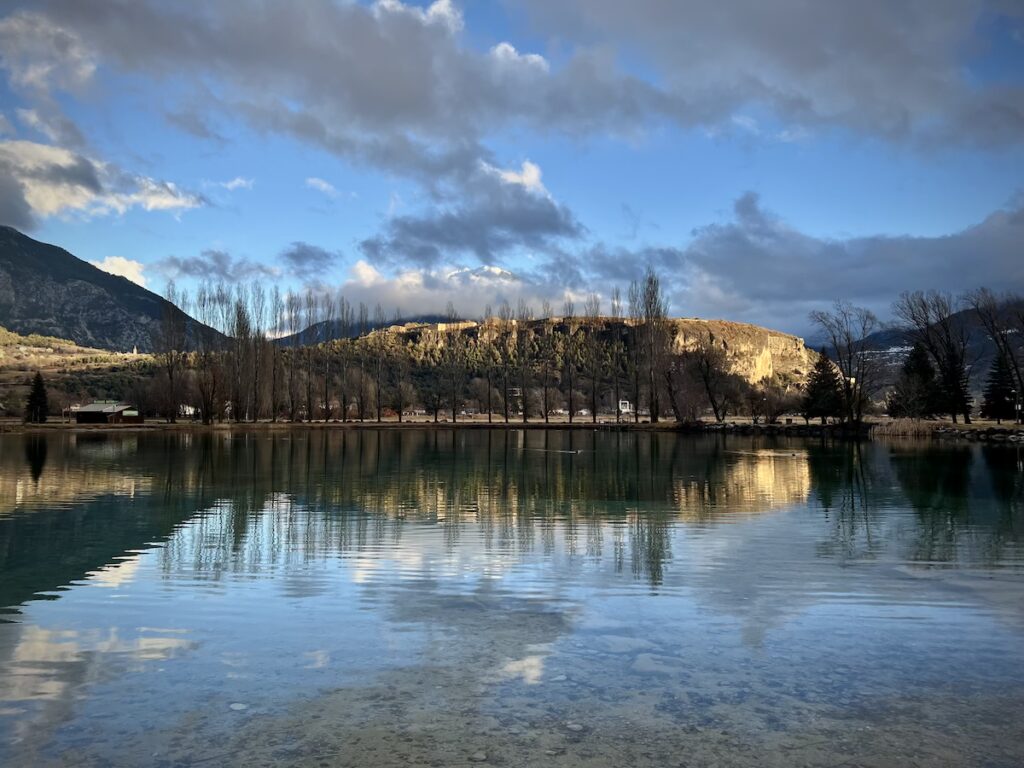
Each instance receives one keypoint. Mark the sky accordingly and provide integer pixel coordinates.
(766, 159)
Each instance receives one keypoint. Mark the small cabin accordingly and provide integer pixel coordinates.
(107, 412)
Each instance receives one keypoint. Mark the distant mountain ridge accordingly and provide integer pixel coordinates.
(46, 290)
(893, 344)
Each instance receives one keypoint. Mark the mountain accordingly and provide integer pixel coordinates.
(46, 290)
(894, 344)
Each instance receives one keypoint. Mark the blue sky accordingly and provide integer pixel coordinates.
(766, 159)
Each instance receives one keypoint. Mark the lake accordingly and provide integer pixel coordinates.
(489, 597)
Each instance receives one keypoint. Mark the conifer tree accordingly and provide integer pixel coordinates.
(37, 406)
(917, 394)
(823, 396)
(1000, 398)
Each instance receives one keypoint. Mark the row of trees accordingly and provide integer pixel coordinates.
(935, 377)
(339, 361)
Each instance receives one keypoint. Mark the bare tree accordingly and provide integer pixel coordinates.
(594, 352)
(328, 308)
(931, 319)
(276, 319)
(848, 328)
(343, 353)
(712, 368)
(996, 318)
(379, 357)
(170, 342)
(616, 351)
(506, 351)
(293, 313)
(524, 353)
(258, 319)
(655, 345)
(635, 358)
(208, 364)
(570, 353)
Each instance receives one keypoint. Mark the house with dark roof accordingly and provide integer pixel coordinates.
(107, 412)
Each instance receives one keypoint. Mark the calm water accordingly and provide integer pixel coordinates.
(541, 598)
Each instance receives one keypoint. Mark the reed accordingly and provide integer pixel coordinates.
(904, 428)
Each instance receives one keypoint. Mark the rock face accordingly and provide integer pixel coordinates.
(46, 290)
(754, 352)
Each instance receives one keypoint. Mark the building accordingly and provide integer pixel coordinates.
(107, 412)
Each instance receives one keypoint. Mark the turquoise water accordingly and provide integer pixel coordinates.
(508, 598)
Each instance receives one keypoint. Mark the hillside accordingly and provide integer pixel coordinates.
(893, 345)
(73, 373)
(47, 291)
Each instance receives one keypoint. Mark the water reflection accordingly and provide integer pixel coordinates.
(496, 581)
(606, 496)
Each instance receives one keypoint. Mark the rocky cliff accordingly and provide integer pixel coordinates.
(754, 352)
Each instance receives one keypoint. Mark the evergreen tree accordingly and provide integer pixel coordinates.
(823, 396)
(1000, 399)
(917, 393)
(36, 406)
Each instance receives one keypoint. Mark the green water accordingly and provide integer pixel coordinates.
(444, 598)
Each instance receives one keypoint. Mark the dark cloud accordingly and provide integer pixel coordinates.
(393, 86)
(756, 267)
(215, 265)
(193, 123)
(895, 70)
(309, 262)
(502, 211)
(78, 172)
(14, 208)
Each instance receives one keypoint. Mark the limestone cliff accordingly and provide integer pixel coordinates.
(754, 352)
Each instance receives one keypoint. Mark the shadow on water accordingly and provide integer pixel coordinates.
(35, 455)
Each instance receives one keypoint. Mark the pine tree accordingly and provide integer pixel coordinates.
(1000, 398)
(36, 406)
(823, 396)
(916, 394)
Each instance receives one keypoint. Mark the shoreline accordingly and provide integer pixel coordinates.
(1009, 433)
(801, 430)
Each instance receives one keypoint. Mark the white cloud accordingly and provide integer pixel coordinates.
(119, 265)
(6, 129)
(237, 183)
(507, 55)
(55, 181)
(428, 291)
(440, 12)
(529, 176)
(321, 186)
